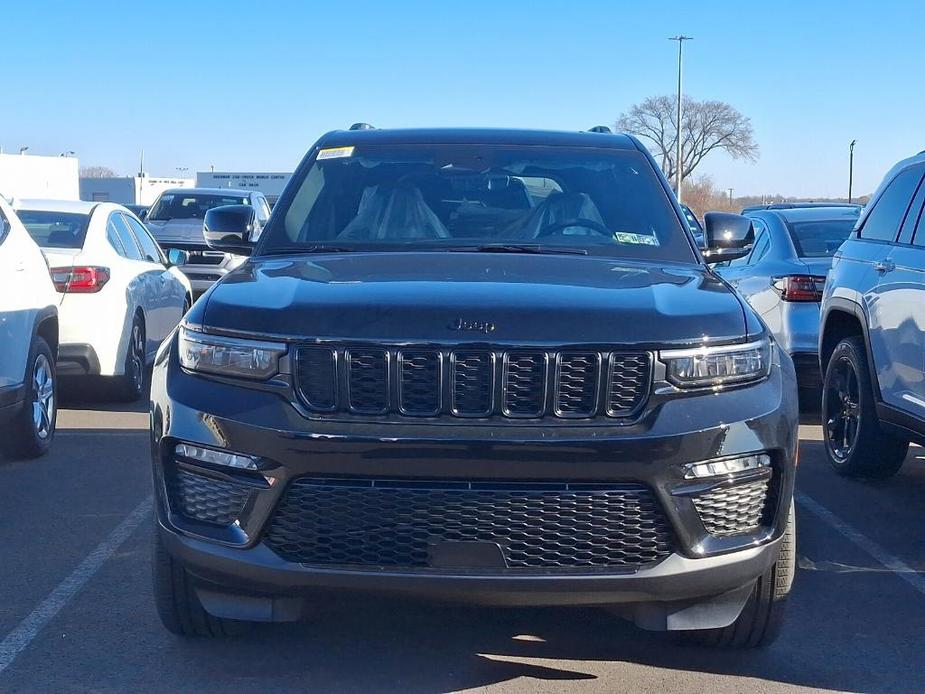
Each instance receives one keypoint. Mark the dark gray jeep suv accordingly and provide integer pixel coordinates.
(475, 365)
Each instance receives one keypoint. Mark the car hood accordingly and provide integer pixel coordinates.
(469, 297)
(184, 231)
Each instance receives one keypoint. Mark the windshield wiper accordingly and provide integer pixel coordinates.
(288, 250)
(518, 248)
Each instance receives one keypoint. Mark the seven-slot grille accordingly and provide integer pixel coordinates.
(430, 382)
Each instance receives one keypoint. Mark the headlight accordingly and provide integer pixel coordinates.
(229, 356)
(716, 366)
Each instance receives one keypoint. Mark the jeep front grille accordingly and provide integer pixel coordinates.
(478, 383)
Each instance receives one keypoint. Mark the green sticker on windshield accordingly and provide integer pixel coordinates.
(637, 239)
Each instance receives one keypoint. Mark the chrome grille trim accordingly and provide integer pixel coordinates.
(472, 382)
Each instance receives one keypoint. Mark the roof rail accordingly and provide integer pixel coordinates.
(361, 126)
(601, 129)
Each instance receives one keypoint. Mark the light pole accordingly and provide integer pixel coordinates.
(181, 170)
(22, 150)
(850, 168)
(679, 176)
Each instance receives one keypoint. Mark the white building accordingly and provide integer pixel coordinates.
(129, 190)
(269, 183)
(32, 176)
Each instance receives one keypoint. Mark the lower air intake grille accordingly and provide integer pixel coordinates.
(733, 510)
(538, 527)
(206, 499)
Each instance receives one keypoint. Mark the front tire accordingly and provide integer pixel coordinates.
(179, 607)
(33, 427)
(761, 619)
(855, 444)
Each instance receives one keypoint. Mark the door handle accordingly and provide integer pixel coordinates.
(884, 266)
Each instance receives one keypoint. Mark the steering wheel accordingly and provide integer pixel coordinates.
(590, 224)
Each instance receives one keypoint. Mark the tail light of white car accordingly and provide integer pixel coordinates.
(80, 279)
(799, 287)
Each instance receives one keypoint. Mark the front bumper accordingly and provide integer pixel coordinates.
(652, 451)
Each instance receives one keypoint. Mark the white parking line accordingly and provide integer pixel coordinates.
(24, 633)
(894, 564)
(95, 433)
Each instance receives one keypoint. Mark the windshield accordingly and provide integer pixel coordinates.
(467, 197)
(190, 205)
(55, 229)
(820, 239)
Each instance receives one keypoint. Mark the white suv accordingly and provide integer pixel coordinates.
(29, 339)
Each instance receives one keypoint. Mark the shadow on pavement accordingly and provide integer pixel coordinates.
(365, 644)
(96, 393)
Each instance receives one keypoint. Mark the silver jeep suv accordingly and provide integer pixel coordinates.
(872, 337)
(175, 221)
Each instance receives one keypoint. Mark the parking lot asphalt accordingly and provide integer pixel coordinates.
(77, 612)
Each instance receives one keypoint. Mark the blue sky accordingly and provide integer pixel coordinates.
(250, 85)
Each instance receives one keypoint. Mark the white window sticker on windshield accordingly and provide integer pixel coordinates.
(335, 153)
(638, 239)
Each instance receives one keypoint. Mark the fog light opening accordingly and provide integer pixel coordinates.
(727, 466)
(216, 457)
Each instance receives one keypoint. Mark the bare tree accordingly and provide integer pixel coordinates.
(706, 126)
(702, 195)
(96, 172)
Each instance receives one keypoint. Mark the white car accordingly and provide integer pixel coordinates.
(28, 343)
(119, 297)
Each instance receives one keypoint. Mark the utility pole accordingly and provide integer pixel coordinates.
(679, 176)
(730, 195)
(850, 168)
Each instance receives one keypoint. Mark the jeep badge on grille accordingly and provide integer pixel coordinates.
(473, 326)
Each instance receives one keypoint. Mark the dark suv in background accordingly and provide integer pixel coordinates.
(872, 339)
(480, 365)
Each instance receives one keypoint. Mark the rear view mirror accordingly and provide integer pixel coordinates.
(727, 236)
(231, 229)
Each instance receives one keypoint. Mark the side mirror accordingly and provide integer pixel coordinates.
(176, 257)
(231, 229)
(142, 215)
(727, 236)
